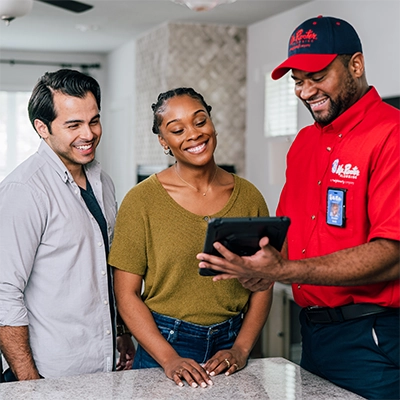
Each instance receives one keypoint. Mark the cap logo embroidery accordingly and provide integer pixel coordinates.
(301, 39)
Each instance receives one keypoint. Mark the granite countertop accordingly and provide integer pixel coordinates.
(267, 378)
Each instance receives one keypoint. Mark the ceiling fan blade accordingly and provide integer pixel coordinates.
(70, 5)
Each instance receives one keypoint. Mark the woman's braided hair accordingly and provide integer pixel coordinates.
(159, 107)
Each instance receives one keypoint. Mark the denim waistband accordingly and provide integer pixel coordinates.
(200, 330)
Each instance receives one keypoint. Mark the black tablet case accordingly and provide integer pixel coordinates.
(242, 235)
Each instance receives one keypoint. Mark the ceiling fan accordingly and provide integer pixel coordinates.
(10, 9)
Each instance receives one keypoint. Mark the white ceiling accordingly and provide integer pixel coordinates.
(112, 23)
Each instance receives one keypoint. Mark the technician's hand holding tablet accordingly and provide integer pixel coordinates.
(244, 248)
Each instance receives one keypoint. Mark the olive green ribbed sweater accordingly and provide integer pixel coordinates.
(157, 238)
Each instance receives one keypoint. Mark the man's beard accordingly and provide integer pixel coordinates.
(345, 100)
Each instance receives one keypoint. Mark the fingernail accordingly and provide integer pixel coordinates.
(212, 373)
(180, 384)
(226, 373)
(194, 384)
(203, 384)
(210, 382)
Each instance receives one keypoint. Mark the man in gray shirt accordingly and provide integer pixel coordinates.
(57, 213)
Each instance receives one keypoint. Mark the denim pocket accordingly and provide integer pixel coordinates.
(168, 334)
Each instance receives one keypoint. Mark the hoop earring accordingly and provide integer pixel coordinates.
(166, 151)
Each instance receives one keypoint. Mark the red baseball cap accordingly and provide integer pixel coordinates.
(315, 43)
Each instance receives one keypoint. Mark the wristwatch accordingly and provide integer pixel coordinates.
(122, 330)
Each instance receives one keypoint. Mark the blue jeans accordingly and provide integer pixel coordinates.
(346, 353)
(189, 340)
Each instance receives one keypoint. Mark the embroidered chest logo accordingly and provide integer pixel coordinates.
(345, 170)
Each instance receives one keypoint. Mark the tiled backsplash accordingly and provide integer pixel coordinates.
(209, 58)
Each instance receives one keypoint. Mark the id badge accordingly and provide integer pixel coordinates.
(336, 207)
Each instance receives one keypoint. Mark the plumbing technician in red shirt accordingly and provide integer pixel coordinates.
(342, 249)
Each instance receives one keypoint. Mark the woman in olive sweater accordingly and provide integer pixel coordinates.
(192, 327)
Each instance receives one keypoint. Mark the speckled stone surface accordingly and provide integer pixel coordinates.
(268, 378)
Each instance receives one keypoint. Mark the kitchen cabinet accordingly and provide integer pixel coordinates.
(281, 336)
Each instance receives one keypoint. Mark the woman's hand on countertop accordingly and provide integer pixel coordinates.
(179, 369)
(228, 361)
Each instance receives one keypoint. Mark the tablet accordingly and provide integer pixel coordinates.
(242, 235)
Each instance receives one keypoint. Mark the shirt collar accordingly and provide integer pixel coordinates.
(345, 122)
(93, 168)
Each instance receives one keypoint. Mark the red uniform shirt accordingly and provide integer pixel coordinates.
(359, 152)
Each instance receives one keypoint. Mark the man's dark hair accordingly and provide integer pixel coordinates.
(162, 99)
(345, 59)
(66, 81)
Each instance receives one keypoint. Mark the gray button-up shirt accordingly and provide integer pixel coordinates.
(53, 269)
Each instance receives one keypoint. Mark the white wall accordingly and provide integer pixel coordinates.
(24, 77)
(377, 23)
(116, 153)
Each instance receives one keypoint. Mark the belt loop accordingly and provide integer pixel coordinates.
(335, 314)
(173, 333)
(230, 331)
(177, 324)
